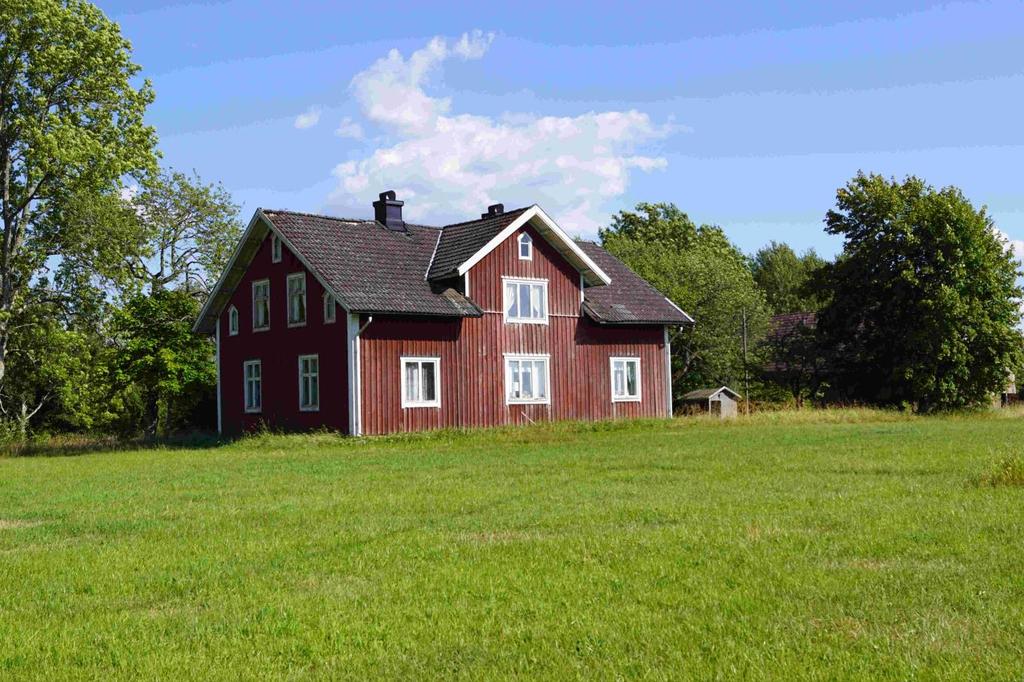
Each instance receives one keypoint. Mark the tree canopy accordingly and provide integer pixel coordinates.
(785, 278)
(924, 305)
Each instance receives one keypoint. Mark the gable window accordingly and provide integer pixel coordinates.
(233, 321)
(419, 382)
(309, 383)
(261, 305)
(525, 247)
(330, 310)
(527, 378)
(526, 301)
(297, 299)
(625, 379)
(253, 388)
(275, 249)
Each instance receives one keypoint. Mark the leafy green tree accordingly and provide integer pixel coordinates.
(71, 126)
(785, 278)
(924, 305)
(190, 229)
(159, 362)
(702, 272)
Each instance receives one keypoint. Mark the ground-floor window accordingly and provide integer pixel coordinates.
(309, 383)
(527, 379)
(419, 382)
(253, 385)
(625, 379)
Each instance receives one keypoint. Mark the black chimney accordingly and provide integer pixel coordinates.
(388, 211)
(493, 210)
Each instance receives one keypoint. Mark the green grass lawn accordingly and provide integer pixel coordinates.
(842, 545)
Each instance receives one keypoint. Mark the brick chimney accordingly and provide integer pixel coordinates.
(388, 211)
(493, 210)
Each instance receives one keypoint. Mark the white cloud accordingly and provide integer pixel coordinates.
(451, 166)
(308, 119)
(1015, 246)
(349, 128)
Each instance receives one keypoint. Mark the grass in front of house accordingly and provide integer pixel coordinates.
(846, 544)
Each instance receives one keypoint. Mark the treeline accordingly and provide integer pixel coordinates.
(921, 309)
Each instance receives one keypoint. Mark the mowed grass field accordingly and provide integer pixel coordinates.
(837, 545)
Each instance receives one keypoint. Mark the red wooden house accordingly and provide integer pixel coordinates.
(377, 326)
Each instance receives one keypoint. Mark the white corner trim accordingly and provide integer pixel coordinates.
(639, 381)
(668, 374)
(529, 214)
(220, 422)
(354, 388)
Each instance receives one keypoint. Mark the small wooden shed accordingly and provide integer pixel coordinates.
(719, 401)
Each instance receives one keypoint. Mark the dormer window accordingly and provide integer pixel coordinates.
(275, 249)
(525, 247)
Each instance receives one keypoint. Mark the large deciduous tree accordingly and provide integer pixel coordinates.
(702, 272)
(785, 277)
(71, 127)
(924, 303)
(190, 229)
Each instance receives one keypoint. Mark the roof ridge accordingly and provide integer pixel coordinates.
(317, 215)
(486, 217)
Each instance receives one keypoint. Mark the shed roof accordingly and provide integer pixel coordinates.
(708, 393)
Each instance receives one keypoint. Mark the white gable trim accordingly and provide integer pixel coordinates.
(259, 221)
(550, 230)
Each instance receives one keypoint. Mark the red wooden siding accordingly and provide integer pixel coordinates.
(471, 350)
(279, 349)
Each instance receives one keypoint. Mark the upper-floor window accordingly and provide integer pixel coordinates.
(309, 383)
(419, 382)
(233, 321)
(330, 309)
(526, 301)
(525, 247)
(527, 378)
(275, 249)
(261, 305)
(297, 299)
(253, 386)
(625, 379)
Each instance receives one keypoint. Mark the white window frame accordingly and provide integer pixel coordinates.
(296, 277)
(256, 284)
(275, 249)
(309, 407)
(421, 360)
(330, 309)
(625, 398)
(232, 321)
(519, 282)
(249, 409)
(527, 357)
(525, 240)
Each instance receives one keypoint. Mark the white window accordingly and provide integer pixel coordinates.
(330, 310)
(233, 321)
(261, 305)
(526, 301)
(297, 299)
(309, 383)
(525, 247)
(527, 379)
(275, 249)
(253, 386)
(625, 379)
(419, 382)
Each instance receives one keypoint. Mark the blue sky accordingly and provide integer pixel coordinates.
(745, 115)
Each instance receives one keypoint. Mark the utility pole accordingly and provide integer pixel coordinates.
(746, 378)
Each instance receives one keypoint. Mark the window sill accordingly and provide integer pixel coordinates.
(413, 406)
(627, 400)
(261, 329)
(509, 320)
(509, 401)
(292, 325)
(309, 409)
(258, 410)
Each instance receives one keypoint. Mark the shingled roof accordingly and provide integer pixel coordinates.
(629, 299)
(371, 268)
